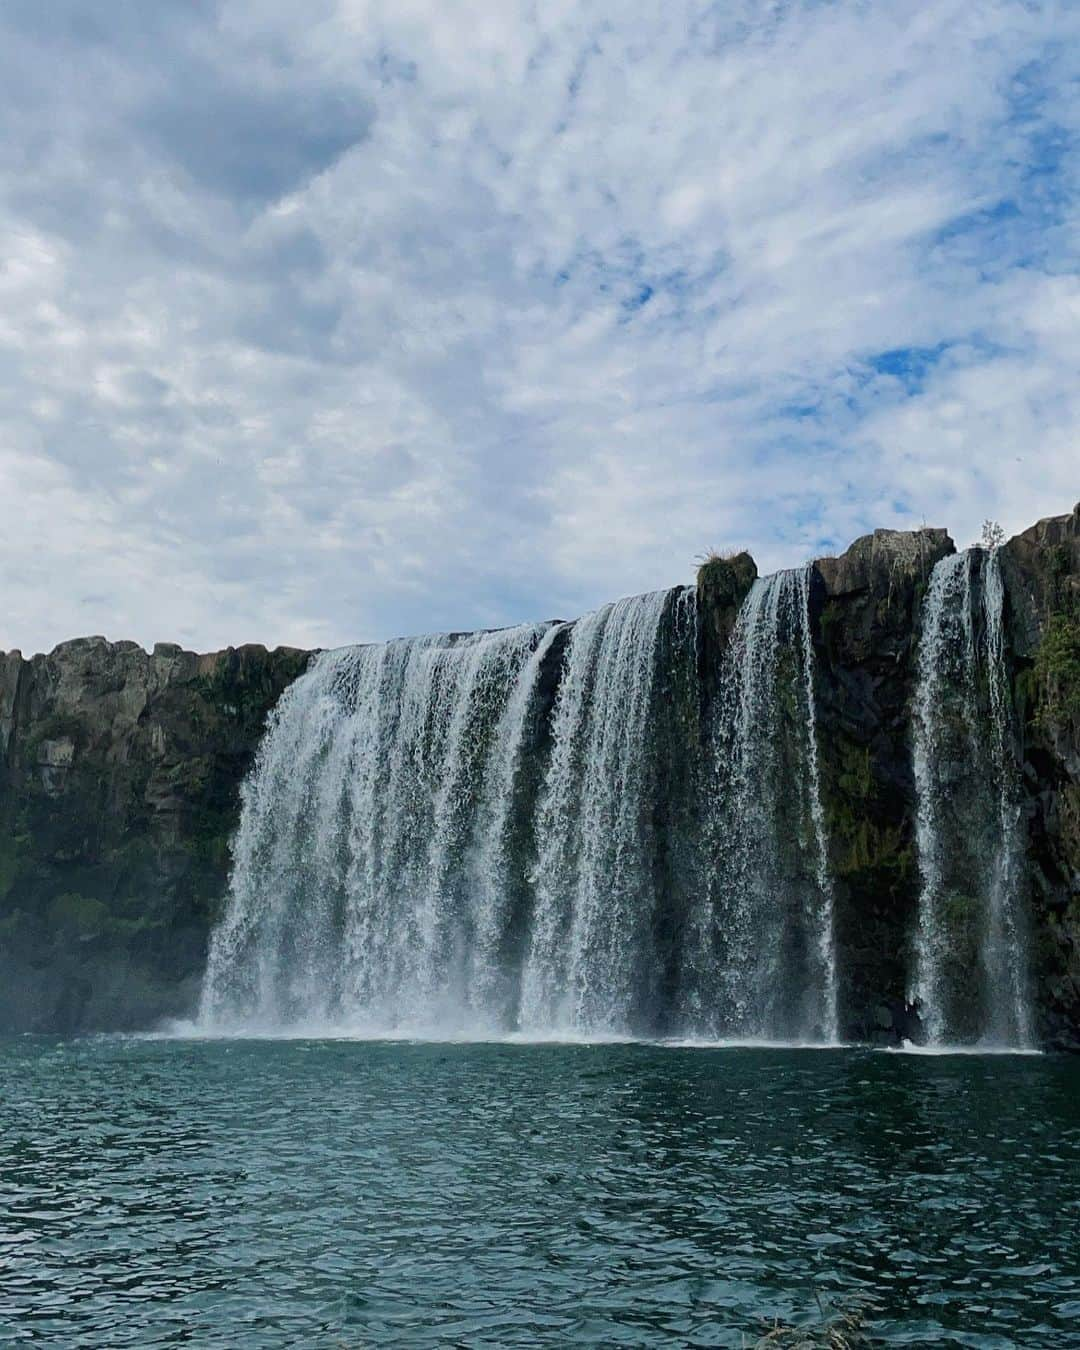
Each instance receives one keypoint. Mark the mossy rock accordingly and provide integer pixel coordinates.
(1055, 675)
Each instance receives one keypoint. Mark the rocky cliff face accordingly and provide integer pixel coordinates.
(866, 615)
(119, 783)
(120, 774)
(868, 603)
(1042, 575)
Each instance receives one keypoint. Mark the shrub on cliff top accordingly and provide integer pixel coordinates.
(720, 570)
(715, 563)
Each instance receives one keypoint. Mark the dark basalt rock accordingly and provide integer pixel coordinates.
(722, 585)
(865, 610)
(119, 791)
(1042, 578)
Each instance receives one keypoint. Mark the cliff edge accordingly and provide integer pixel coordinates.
(119, 790)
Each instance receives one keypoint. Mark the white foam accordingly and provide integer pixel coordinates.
(180, 1030)
(936, 1051)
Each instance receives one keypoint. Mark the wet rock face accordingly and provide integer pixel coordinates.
(722, 586)
(1042, 576)
(868, 615)
(865, 609)
(119, 781)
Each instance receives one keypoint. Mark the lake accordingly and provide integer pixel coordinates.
(337, 1193)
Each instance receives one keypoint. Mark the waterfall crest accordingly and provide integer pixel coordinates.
(535, 831)
(763, 961)
(970, 976)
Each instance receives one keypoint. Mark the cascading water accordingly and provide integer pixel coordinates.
(427, 844)
(503, 831)
(381, 783)
(970, 976)
(761, 961)
(498, 870)
(591, 965)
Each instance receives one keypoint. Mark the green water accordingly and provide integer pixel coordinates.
(343, 1194)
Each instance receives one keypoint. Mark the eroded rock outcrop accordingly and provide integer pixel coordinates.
(119, 781)
(1042, 575)
(866, 611)
(867, 614)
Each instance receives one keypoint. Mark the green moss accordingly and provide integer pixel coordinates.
(831, 617)
(240, 691)
(13, 853)
(855, 777)
(869, 847)
(714, 568)
(959, 911)
(1055, 678)
(78, 915)
(726, 578)
(56, 728)
(1026, 692)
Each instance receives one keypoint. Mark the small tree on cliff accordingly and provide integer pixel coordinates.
(993, 536)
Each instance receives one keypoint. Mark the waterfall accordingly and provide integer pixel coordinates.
(500, 872)
(380, 791)
(591, 965)
(762, 959)
(970, 976)
(1005, 949)
(460, 833)
(531, 830)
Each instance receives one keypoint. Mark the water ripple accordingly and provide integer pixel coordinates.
(339, 1194)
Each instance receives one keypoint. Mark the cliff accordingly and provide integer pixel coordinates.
(1042, 574)
(119, 790)
(868, 604)
(120, 773)
(866, 614)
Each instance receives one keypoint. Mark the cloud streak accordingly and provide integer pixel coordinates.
(388, 317)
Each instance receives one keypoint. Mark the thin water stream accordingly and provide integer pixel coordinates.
(970, 976)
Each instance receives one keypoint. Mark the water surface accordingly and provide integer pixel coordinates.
(348, 1194)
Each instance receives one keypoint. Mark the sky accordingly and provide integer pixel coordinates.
(324, 323)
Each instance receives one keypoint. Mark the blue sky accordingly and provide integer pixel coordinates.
(321, 323)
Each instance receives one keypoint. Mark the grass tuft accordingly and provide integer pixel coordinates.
(845, 1329)
(715, 558)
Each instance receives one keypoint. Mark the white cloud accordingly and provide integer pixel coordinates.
(322, 325)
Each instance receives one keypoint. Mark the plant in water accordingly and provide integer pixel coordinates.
(842, 1329)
